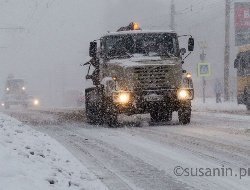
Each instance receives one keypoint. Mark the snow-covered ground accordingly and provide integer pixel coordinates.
(32, 160)
(211, 105)
(138, 154)
(144, 157)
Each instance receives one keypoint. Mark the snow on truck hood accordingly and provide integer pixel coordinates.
(142, 61)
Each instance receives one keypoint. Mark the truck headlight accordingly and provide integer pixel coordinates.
(36, 102)
(122, 97)
(183, 94)
(189, 75)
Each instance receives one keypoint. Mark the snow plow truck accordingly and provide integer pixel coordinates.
(135, 71)
(15, 93)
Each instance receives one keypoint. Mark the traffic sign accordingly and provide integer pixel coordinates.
(204, 70)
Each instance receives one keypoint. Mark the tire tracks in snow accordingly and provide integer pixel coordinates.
(219, 152)
(126, 171)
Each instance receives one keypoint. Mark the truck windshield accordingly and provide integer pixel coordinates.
(151, 44)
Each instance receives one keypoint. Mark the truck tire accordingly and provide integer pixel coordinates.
(168, 116)
(111, 115)
(184, 115)
(154, 116)
(93, 114)
(94, 109)
(248, 107)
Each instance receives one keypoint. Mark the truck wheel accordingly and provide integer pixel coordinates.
(169, 116)
(248, 107)
(155, 116)
(94, 109)
(94, 114)
(111, 115)
(184, 115)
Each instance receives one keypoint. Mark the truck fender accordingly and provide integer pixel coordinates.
(109, 85)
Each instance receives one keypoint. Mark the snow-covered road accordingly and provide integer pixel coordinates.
(144, 156)
(32, 160)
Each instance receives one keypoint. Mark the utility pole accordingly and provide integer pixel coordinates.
(203, 46)
(227, 50)
(172, 16)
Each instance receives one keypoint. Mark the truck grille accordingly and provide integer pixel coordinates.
(151, 77)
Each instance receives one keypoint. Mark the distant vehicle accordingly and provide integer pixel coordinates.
(137, 72)
(15, 94)
(242, 63)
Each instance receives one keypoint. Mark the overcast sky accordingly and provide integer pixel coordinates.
(55, 37)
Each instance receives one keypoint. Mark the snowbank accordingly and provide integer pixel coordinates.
(211, 105)
(31, 160)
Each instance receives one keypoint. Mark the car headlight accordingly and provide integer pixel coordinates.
(2, 104)
(7, 89)
(184, 94)
(122, 97)
(23, 88)
(36, 102)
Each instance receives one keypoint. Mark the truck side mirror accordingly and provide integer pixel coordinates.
(191, 44)
(92, 49)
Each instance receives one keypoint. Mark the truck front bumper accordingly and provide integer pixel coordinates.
(143, 101)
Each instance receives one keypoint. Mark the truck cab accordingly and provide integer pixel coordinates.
(137, 72)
